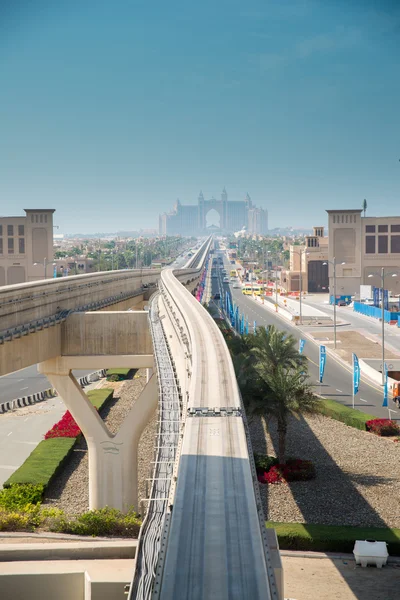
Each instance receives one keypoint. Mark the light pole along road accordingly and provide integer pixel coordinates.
(300, 253)
(333, 262)
(382, 275)
(338, 376)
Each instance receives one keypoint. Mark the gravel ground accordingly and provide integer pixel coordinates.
(358, 475)
(70, 489)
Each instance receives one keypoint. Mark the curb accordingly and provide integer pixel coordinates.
(46, 394)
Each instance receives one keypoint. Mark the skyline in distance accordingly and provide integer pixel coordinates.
(111, 113)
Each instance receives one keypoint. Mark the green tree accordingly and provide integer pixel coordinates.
(273, 378)
(285, 391)
(364, 206)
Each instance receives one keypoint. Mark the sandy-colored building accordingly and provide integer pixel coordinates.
(307, 261)
(26, 246)
(361, 246)
(74, 265)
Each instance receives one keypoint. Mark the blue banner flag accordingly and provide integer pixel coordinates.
(302, 343)
(254, 327)
(385, 387)
(322, 361)
(356, 374)
(386, 299)
(376, 296)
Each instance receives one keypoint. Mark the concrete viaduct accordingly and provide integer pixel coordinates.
(203, 535)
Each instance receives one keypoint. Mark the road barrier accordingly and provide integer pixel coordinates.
(46, 394)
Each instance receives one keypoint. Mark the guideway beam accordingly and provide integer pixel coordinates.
(113, 458)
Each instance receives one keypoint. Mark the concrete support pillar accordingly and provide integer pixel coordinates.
(113, 459)
(149, 374)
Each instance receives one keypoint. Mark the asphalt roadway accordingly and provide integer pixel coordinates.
(26, 382)
(337, 382)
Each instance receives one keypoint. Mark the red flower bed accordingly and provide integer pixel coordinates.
(66, 427)
(295, 469)
(382, 427)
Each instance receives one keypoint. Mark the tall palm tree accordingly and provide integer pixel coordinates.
(283, 392)
(274, 347)
(364, 206)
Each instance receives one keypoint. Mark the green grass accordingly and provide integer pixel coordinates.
(331, 538)
(99, 397)
(352, 417)
(120, 372)
(43, 463)
(49, 456)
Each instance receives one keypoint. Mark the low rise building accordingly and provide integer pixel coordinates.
(26, 247)
(361, 246)
(308, 262)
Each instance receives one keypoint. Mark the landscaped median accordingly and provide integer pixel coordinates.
(50, 455)
(21, 499)
(118, 374)
(349, 416)
(331, 538)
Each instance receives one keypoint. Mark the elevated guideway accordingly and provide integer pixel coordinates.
(214, 542)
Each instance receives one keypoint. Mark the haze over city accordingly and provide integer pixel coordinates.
(112, 111)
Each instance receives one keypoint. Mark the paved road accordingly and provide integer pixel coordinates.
(338, 377)
(27, 381)
(22, 430)
(358, 321)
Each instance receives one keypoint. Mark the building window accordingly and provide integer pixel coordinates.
(370, 244)
(10, 245)
(1, 245)
(32, 218)
(393, 229)
(45, 218)
(334, 218)
(395, 244)
(10, 230)
(382, 228)
(370, 229)
(21, 245)
(1, 229)
(21, 230)
(382, 244)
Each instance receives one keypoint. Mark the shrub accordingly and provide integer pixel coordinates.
(65, 427)
(264, 462)
(349, 416)
(17, 520)
(294, 469)
(102, 522)
(43, 463)
(382, 427)
(21, 496)
(117, 374)
(331, 538)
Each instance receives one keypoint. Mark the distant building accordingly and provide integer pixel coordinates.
(73, 266)
(188, 220)
(361, 247)
(26, 246)
(307, 262)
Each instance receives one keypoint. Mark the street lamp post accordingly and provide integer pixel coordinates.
(300, 253)
(44, 263)
(333, 262)
(382, 275)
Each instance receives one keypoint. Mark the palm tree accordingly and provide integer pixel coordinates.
(283, 392)
(274, 347)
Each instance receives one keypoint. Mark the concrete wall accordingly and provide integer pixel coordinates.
(63, 586)
(106, 333)
(27, 302)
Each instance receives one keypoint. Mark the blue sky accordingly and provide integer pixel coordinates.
(109, 111)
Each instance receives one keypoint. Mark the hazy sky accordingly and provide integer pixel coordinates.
(112, 109)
